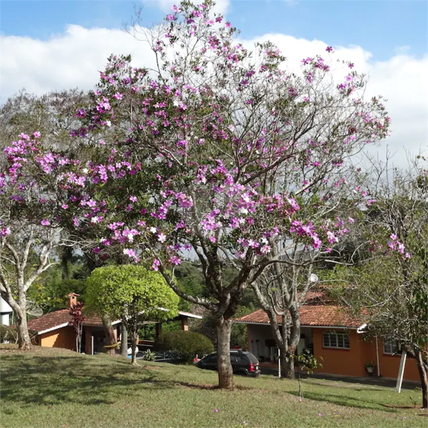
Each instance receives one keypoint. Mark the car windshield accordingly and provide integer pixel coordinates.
(252, 358)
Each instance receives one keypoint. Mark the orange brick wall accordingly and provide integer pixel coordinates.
(389, 365)
(351, 362)
(348, 362)
(62, 338)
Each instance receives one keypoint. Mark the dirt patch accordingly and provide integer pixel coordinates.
(203, 386)
(396, 406)
(39, 351)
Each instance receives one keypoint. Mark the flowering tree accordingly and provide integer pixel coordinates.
(33, 209)
(207, 151)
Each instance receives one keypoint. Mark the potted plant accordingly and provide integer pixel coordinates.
(370, 367)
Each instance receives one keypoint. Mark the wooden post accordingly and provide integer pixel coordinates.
(184, 324)
(158, 329)
(401, 370)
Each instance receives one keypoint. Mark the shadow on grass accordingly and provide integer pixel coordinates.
(346, 400)
(55, 380)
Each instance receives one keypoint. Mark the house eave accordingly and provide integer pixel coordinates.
(48, 330)
(302, 325)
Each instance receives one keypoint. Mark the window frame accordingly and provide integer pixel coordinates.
(393, 345)
(344, 337)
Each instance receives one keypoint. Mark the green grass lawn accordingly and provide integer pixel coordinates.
(59, 388)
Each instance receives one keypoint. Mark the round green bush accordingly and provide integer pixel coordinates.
(183, 345)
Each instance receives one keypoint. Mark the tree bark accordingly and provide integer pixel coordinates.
(24, 341)
(224, 368)
(422, 368)
(124, 338)
(287, 365)
(293, 340)
(134, 339)
(109, 334)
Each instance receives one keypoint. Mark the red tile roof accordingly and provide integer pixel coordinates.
(56, 319)
(311, 316)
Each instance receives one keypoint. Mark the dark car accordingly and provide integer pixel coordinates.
(243, 362)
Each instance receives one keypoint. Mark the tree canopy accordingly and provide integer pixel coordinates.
(132, 294)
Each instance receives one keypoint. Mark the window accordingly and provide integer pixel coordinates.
(390, 347)
(331, 339)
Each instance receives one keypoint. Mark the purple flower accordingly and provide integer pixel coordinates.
(329, 49)
(156, 264)
(131, 253)
(175, 260)
(45, 222)
(5, 231)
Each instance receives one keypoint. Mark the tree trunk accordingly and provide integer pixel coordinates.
(224, 368)
(287, 365)
(24, 341)
(124, 339)
(109, 335)
(422, 368)
(134, 347)
(293, 340)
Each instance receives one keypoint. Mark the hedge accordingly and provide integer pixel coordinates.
(183, 345)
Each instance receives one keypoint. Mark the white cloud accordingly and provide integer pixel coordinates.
(73, 59)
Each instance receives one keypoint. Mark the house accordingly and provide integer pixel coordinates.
(53, 329)
(335, 338)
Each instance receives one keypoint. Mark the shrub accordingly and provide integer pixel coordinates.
(8, 334)
(149, 355)
(184, 345)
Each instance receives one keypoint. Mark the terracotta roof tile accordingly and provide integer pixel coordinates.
(57, 318)
(310, 315)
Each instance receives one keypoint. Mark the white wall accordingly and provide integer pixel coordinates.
(5, 311)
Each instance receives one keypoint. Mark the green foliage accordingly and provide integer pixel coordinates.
(307, 362)
(147, 331)
(8, 334)
(129, 291)
(238, 335)
(149, 355)
(185, 345)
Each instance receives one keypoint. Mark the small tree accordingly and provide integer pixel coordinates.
(391, 286)
(132, 294)
(76, 322)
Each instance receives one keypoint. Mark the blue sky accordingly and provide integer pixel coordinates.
(57, 45)
(381, 27)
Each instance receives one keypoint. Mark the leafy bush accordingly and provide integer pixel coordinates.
(8, 334)
(184, 345)
(307, 362)
(149, 355)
